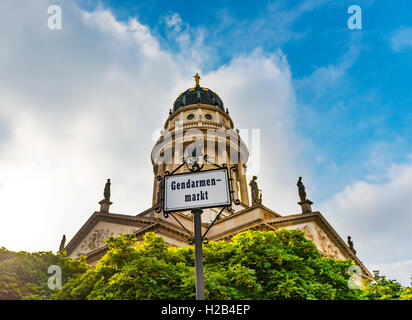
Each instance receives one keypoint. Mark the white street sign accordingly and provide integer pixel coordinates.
(204, 189)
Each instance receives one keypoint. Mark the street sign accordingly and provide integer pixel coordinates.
(204, 189)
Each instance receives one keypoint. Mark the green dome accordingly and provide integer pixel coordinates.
(198, 95)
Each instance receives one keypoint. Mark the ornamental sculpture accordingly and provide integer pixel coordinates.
(350, 244)
(94, 241)
(106, 192)
(255, 191)
(304, 203)
(301, 189)
(197, 78)
(62, 243)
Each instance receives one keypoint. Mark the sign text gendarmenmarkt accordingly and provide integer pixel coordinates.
(203, 189)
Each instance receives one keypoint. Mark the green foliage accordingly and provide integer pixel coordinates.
(24, 275)
(407, 293)
(282, 264)
(383, 289)
(278, 264)
(146, 270)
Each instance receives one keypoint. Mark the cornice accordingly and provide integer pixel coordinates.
(195, 107)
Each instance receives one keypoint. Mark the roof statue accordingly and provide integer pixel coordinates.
(106, 192)
(197, 78)
(350, 244)
(304, 203)
(62, 243)
(301, 188)
(105, 203)
(255, 191)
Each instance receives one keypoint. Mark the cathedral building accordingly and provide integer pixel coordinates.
(199, 124)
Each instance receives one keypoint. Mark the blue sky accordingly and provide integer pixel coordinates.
(85, 103)
(369, 105)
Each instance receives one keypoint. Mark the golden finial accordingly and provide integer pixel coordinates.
(197, 78)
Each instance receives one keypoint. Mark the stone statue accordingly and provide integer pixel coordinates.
(304, 203)
(255, 191)
(62, 243)
(197, 78)
(301, 188)
(106, 192)
(350, 244)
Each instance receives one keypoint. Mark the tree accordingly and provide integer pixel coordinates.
(383, 289)
(407, 293)
(279, 264)
(24, 275)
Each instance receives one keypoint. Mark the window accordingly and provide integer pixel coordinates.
(190, 117)
(208, 117)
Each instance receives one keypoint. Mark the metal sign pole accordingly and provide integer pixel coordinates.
(215, 191)
(198, 240)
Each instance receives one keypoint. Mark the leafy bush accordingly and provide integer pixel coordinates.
(278, 264)
(24, 275)
(260, 265)
(383, 289)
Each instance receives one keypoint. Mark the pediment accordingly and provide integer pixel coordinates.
(99, 227)
(94, 239)
(319, 237)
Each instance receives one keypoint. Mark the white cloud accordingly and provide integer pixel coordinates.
(188, 41)
(174, 21)
(401, 39)
(328, 162)
(378, 217)
(79, 105)
(325, 78)
(400, 271)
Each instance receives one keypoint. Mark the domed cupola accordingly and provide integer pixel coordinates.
(198, 95)
(199, 116)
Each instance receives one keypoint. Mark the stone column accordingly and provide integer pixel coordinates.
(244, 192)
(161, 172)
(235, 185)
(155, 184)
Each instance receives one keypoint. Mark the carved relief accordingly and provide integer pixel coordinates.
(332, 251)
(308, 233)
(320, 239)
(326, 246)
(94, 241)
(323, 240)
